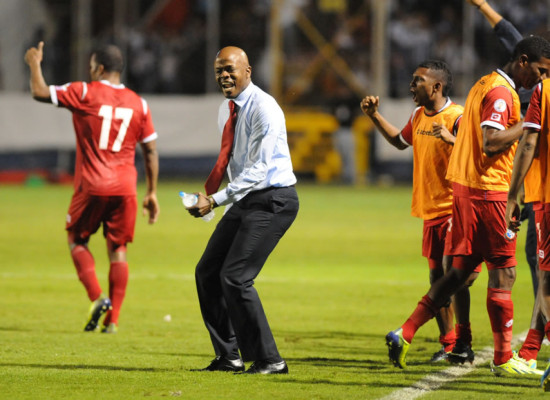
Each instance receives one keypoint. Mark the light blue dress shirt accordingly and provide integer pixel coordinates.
(260, 157)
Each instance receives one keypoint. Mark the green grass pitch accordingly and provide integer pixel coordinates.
(348, 271)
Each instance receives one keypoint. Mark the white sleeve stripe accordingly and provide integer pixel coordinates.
(492, 124)
(403, 140)
(455, 125)
(150, 138)
(84, 90)
(144, 103)
(531, 125)
(53, 95)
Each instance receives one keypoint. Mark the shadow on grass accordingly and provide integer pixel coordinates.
(13, 329)
(85, 367)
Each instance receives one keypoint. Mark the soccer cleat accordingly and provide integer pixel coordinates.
(397, 347)
(531, 364)
(111, 328)
(461, 353)
(545, 379)
(97, 309)
(512, 366)
(440, 355)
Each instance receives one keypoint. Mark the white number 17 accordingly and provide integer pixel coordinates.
(124, 114)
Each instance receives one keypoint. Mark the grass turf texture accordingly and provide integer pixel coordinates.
(348, 271)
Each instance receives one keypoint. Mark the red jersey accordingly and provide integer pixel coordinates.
(109, 120)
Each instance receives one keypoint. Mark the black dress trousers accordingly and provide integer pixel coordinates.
(233, 258)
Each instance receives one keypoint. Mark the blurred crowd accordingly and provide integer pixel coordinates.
(167, 52)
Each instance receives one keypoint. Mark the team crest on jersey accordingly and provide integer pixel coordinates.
(495, 117)
(500, 105)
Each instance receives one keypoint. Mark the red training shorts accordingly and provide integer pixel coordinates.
(433, 236)
(116, 213)
(477, 234)
(542, 221)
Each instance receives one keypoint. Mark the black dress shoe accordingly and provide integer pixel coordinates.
(264, 367)
(223, 364)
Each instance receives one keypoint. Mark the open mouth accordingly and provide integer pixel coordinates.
(227, 85)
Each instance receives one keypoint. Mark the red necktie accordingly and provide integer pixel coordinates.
(216, 176)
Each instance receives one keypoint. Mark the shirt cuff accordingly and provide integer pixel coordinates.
(53, 95)
(221, 198)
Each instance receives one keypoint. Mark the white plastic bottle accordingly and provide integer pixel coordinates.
(190, 199)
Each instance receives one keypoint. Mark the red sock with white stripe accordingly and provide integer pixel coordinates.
(501, 313)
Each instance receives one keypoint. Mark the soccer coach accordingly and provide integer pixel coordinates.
(261, 205)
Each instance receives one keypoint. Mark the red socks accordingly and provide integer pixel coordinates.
(501, 314)
(118, 280)
(531, 347)
(448, 340)
(85, 267)
(425, 310)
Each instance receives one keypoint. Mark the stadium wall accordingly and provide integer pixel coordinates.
(38, 136)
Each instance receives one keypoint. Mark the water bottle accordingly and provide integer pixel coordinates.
(190, 199)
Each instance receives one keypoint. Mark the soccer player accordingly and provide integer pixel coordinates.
(480, 169)
(109, 120)
(431, 130)
(509, 37)
(535, 138)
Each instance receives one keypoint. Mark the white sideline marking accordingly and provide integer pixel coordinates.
(434, 381)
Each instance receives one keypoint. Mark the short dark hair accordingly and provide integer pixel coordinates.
(443, 71)
(534, 47)
(110, 57)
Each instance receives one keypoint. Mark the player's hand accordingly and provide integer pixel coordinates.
(441, 132)
(513, 214)
(369, 105)
(34, 54)
(202, 207)
(151, 207)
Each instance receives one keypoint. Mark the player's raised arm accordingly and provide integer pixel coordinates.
(369, 106)
(39, 88)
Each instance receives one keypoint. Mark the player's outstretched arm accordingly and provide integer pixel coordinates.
(151, 159)
(488, 12)
(39, 88)
(504, 30)
(369, 106)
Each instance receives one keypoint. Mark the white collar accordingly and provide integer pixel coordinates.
(106, 82)
(505, 76)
